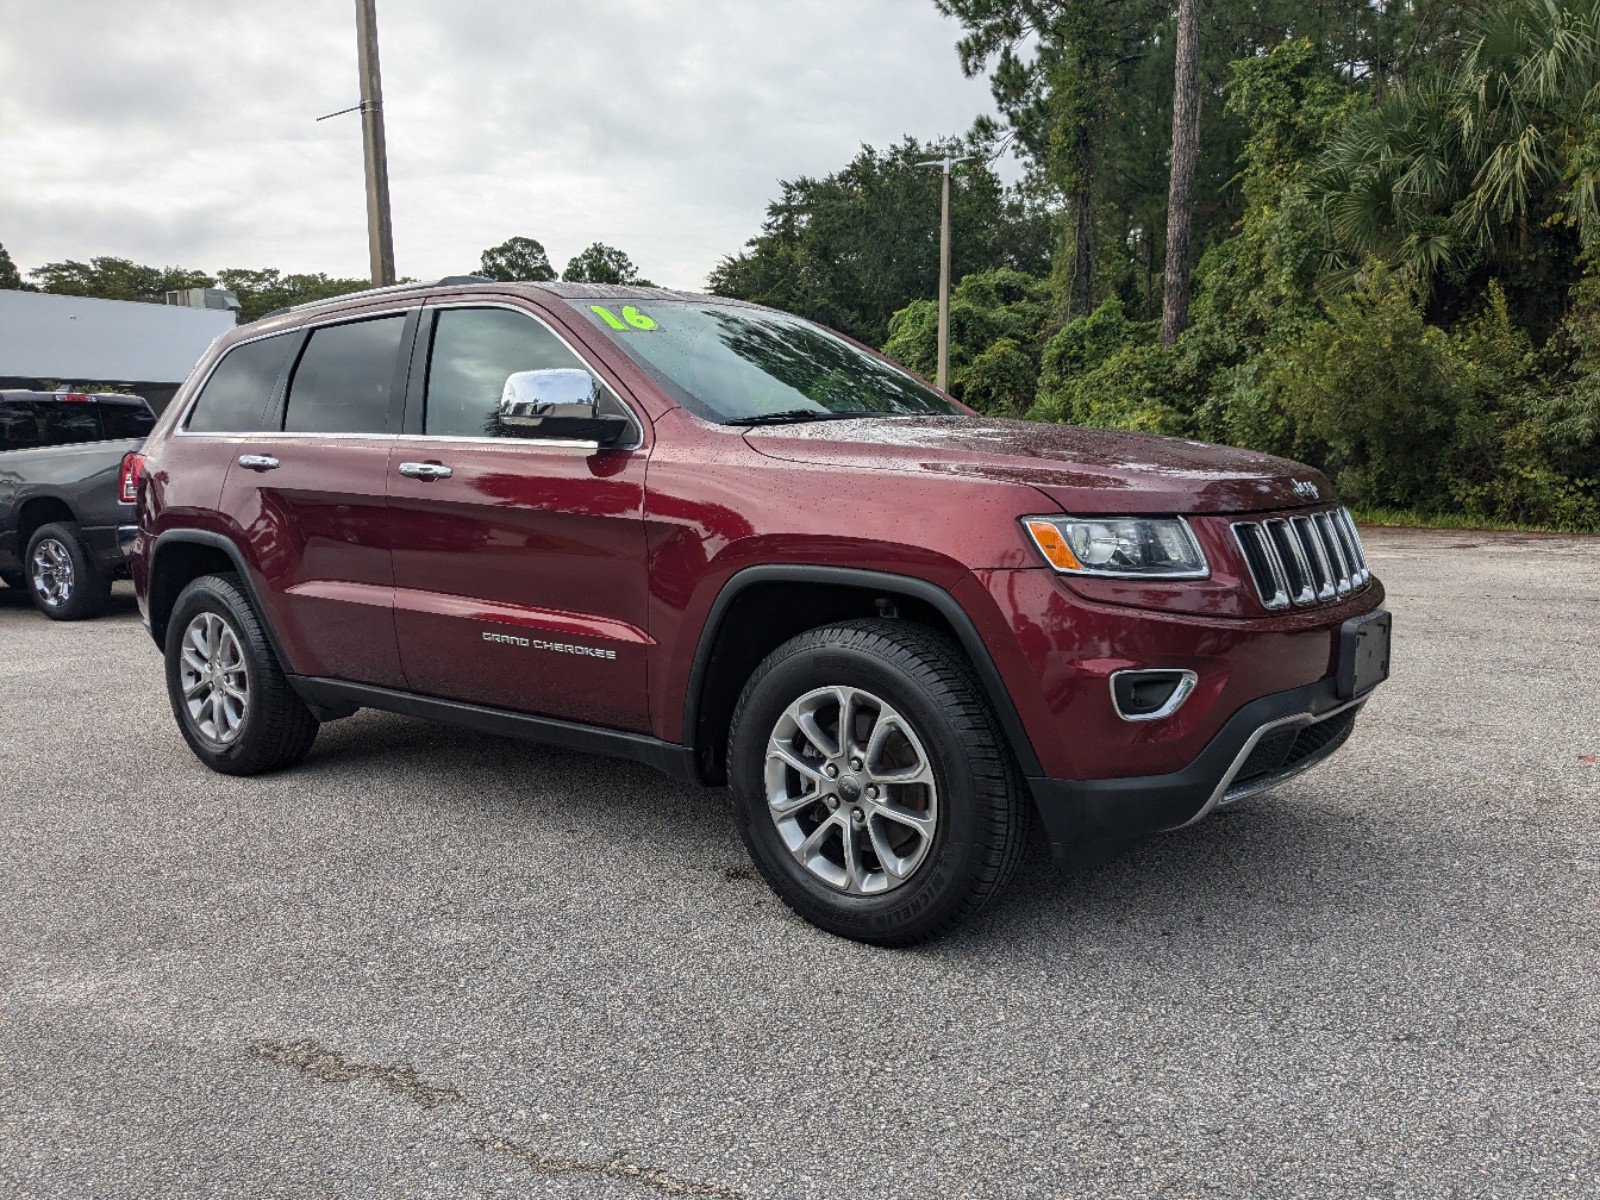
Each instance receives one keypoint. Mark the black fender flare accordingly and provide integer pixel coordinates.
(889, 584)
(217, 541)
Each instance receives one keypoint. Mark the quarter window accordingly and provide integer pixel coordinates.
(474, 350)
(234, 399)
(345, 379)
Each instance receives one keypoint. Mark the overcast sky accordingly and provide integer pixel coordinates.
(183, 132)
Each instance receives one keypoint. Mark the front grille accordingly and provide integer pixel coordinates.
(1306, 559)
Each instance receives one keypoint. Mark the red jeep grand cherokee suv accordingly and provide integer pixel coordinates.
(740, 548)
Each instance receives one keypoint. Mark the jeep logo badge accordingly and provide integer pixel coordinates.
(1304, 487)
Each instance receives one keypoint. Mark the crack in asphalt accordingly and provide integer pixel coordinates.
(331, 1066)
(619, 1166)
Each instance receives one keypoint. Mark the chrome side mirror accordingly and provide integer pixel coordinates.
(561, 402)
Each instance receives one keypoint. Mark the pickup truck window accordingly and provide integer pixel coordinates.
(234, 399)
(34, 424)
(734, 364)
(121, 421)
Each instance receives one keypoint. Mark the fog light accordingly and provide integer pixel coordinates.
(1150, 695)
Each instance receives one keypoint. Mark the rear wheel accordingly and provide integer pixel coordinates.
(873, 787)
(227, 688)
(61, 577)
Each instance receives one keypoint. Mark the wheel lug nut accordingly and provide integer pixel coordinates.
(831, 801)
(872, 792)
(831, 771)
(855, 764)
(857, 815)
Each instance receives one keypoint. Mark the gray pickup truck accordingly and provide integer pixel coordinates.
(67, 467)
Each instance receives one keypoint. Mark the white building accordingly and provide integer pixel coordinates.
(147, 348)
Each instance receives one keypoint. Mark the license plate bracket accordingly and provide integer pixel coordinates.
(1364, 653)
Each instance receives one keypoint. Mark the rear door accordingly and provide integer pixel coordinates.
(308, 497)
(520, 565)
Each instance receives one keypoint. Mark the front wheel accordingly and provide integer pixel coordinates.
(873, 786)
(227, 688)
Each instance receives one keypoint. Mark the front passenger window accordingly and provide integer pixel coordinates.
(345, 378)
(474, 350)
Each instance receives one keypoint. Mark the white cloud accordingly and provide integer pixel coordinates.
(183, 131)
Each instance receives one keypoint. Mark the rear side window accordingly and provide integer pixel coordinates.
(474, 349)
(21, 425)
(35, 424)
(121, 421)
(235, 397)
(345, 379)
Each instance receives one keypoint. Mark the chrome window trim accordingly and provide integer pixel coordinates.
(1186, 685)
(183, 430)
(282, 435)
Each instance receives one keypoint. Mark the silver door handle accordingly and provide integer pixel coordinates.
(425, 471)
(258, 462)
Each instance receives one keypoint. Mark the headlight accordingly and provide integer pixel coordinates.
(1119, 547)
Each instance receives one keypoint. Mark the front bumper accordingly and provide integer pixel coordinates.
(1266, 742)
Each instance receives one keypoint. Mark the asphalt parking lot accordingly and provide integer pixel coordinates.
(428, 963)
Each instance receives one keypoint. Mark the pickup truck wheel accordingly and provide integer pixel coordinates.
(873, 786)
(63, 580)
(227, 688)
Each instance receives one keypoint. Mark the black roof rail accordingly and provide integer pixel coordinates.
(447, 281)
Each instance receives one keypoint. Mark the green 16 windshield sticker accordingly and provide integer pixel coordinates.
(632, 318)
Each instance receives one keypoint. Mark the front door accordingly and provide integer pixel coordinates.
(310, 500)
(519, 563)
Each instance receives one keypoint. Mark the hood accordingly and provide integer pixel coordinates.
(1100, 471)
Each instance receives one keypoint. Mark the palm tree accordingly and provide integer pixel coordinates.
(1468, 158)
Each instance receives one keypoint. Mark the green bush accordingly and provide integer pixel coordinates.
(996, 323)
(1403, 414)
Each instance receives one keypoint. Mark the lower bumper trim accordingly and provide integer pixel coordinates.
(1093, 820)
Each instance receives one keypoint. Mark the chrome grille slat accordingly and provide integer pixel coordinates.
(1336, 551)
(1323, 569)
(1307, 558)
(1292, 555)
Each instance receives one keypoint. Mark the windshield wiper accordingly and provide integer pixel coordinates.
(794, 415)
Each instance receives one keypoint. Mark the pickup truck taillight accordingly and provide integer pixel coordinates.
(132, 472)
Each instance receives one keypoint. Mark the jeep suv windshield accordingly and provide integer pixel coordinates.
(741, 365)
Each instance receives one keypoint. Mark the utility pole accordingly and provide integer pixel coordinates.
(942, 378)
(380, 229)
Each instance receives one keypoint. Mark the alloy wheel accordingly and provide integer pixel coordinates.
(53, 576)
(215, 678)
(851, 790)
